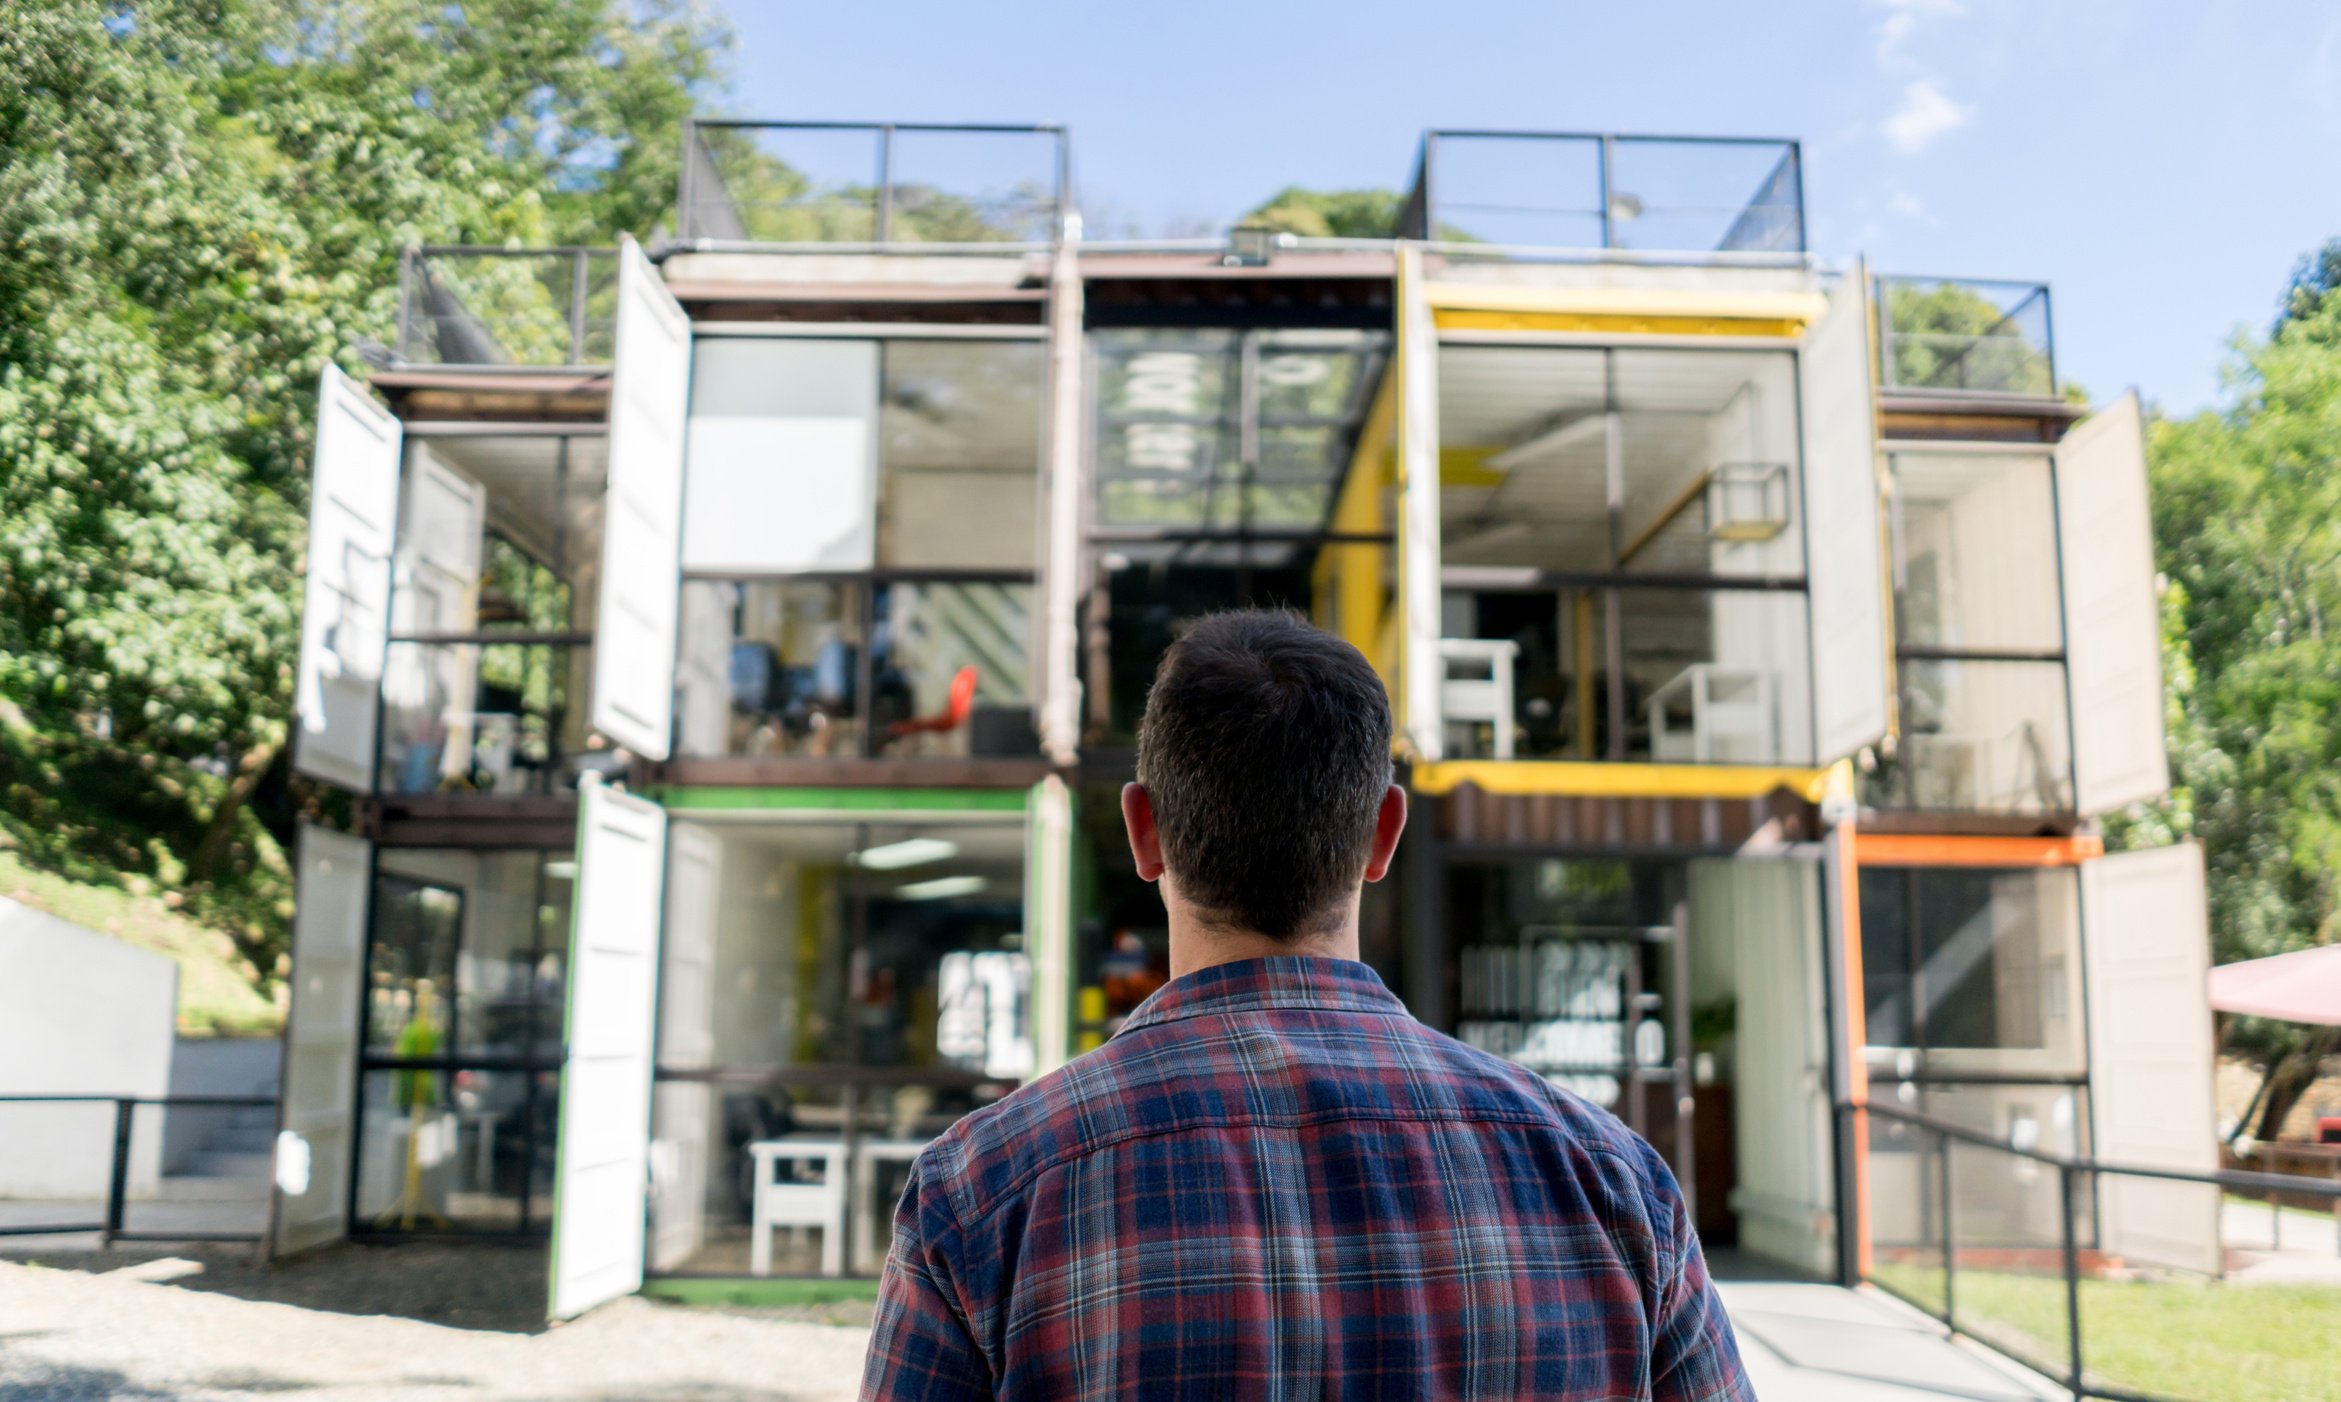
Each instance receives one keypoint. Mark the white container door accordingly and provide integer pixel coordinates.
(2146, 929)
(634, 635)
(1845, 560)
(1756, 933)
(318, 1107)
(345, 611)
(600, 1183)
(2113, 631)
(683, 1111)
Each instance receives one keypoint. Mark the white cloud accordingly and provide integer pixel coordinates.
(1902, 17)
(1926, 115)
(1906, 204)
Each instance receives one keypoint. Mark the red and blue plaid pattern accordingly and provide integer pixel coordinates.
(1275, 1183)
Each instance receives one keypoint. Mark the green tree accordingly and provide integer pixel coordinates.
(2247, 524)
(203, 203)
(1329, 214)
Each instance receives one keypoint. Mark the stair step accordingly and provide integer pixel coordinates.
(217, 1163)
(204, 1187)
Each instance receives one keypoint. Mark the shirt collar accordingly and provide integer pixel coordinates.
(1280, 981)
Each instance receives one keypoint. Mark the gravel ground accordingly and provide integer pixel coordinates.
(327, 1331)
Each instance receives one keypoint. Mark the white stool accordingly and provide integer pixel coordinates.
(818, 1204)
(1488, 697)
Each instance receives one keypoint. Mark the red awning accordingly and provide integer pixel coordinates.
(2303, 986)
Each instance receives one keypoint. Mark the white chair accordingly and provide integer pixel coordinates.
(1731, 718)
(1486, 696)
(871, 1211)
(817, 1204)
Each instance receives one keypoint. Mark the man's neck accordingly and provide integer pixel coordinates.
(1195, 944)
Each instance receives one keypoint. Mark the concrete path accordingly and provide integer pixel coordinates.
(2283, 1246)
(1823, 1343)
(161, 1328)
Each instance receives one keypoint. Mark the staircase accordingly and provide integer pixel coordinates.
(984, 626)
(233, 1166)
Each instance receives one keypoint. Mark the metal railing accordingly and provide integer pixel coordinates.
(938, 185)
(533, 308)
(113, 1224)
(1717, 197)
(1966, 336)
(2011, 1247)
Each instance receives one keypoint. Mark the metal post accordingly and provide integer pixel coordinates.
(577, 263)
(885, 181)
(2072, 1278)
(2275, 1222)
(1608, 234)
(406, 297)
(1950, 1240)
(118, 1184)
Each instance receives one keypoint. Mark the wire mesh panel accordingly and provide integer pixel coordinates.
(783, 182)
(1966, 334)
(1580, 191)
(507, 307)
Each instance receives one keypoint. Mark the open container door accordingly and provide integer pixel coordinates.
(1049, 919)
(318, 1109)
(641, 590)
(2145, 927)
(1757, 935)
(683, 1111)
(1844, 555)
(345, 611)
(600, 1179)
(2113, 632)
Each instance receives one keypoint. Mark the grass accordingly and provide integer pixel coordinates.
(216, 997)
(2200, 1340)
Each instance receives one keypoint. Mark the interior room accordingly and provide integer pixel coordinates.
(1980, 628)
(459, 1077)
(1683, 995)
(837, 993)
(1623, 555)
(1972, 990)
(494, 582)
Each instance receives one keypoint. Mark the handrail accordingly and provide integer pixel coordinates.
(111, 1229)
(2233, 1178)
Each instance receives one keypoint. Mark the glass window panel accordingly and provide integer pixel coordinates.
(410, 964)
(498, 535)
(1999, 965)
(1885, 957)
(1977, 550)
(1701, 195)
(783, 185)
(500, 719)
(953, 668)
(783, 455)
(972, 187)
(1710, 463)
(509, 973)
(453, 1149)
(1715, 677)
(959, 426)
(789, 654)
(1523, 457)
(1980, 736)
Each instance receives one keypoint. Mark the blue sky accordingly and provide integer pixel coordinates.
(2161, 165)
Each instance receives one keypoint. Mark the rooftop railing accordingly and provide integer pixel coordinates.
(1966, 336)
(983, 188)
(1717, 198)
(514, 307)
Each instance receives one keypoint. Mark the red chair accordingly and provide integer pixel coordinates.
(953, 715)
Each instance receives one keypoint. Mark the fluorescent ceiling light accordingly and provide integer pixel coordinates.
(940, 888)
(562, 870)
(1571, 430)
(910, 852)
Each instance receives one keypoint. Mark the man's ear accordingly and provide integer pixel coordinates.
(1389, 822)
(1145, 842)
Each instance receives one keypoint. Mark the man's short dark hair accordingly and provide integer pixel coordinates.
(1265, 752)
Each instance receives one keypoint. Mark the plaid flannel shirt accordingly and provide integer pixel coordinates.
(1274, 1182)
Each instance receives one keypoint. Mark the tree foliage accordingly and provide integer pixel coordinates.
(203, 202)
(2247, 525)
(1328, 214)
(1949, 336)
